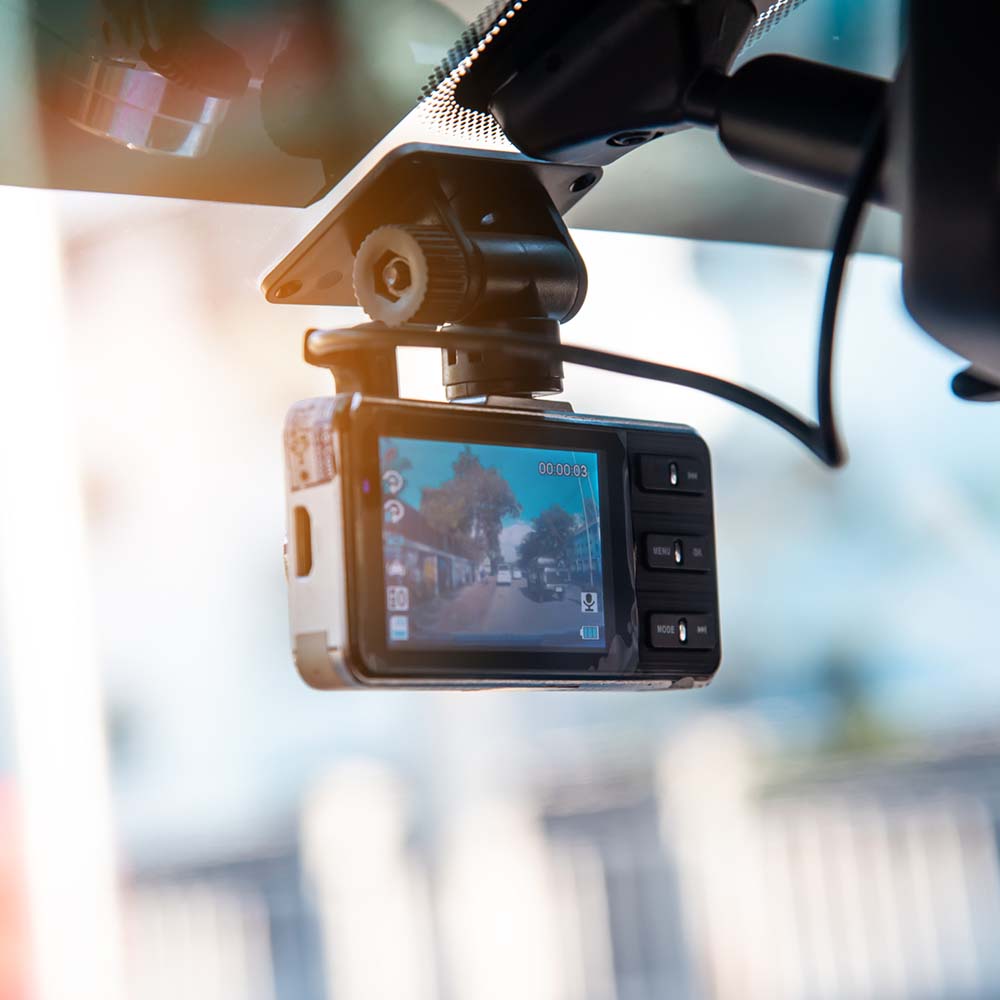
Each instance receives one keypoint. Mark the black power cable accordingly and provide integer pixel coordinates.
(821, 438)
(322, 345)
(827, 445)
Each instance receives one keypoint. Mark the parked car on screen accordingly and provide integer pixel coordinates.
(505, 575)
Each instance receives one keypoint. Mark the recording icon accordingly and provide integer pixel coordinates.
(394, 511)
(588, 601)
(392, 482)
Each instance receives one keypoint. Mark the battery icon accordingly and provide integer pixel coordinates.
(590, 632)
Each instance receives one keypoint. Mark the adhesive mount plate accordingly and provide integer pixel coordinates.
(318, 271)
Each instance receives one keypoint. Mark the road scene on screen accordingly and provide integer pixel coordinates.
(491, 545)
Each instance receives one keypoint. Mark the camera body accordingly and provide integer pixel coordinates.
(471, 546)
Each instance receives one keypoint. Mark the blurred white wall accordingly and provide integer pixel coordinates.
(370, 888)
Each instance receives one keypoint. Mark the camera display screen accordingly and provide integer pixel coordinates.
(491, 546)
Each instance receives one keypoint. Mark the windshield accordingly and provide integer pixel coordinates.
(272, 102)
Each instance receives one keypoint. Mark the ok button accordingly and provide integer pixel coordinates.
(666, 552)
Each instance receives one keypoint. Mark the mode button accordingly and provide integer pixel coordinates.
(678, 631)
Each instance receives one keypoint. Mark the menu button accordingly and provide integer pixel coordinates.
(671, 552)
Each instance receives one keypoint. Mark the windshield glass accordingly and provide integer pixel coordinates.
(273, 101)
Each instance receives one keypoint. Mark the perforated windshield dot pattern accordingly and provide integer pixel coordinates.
(439, 108)
(443, 114)
(770, 17)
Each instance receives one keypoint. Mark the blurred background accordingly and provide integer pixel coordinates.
(181, 817)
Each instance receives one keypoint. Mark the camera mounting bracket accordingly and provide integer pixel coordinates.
(363, 359)
(443, 237)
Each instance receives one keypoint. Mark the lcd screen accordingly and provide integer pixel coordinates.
(491, 546)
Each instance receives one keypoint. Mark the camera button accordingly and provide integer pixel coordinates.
(673, 552)
(682, 631)
(666, 474)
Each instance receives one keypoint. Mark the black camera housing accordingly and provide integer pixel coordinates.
(658, 574)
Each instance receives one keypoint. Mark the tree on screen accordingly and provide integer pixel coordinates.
(468, 509)
(392, 459)
(551, 536)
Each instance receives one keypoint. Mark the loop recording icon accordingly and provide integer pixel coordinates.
(394, 511)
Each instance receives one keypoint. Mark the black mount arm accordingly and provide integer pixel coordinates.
(587, 82)
(452, 238)
(795, 120)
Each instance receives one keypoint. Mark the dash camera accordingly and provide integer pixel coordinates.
(439, 545)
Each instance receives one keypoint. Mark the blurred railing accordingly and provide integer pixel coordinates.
(703, 877)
